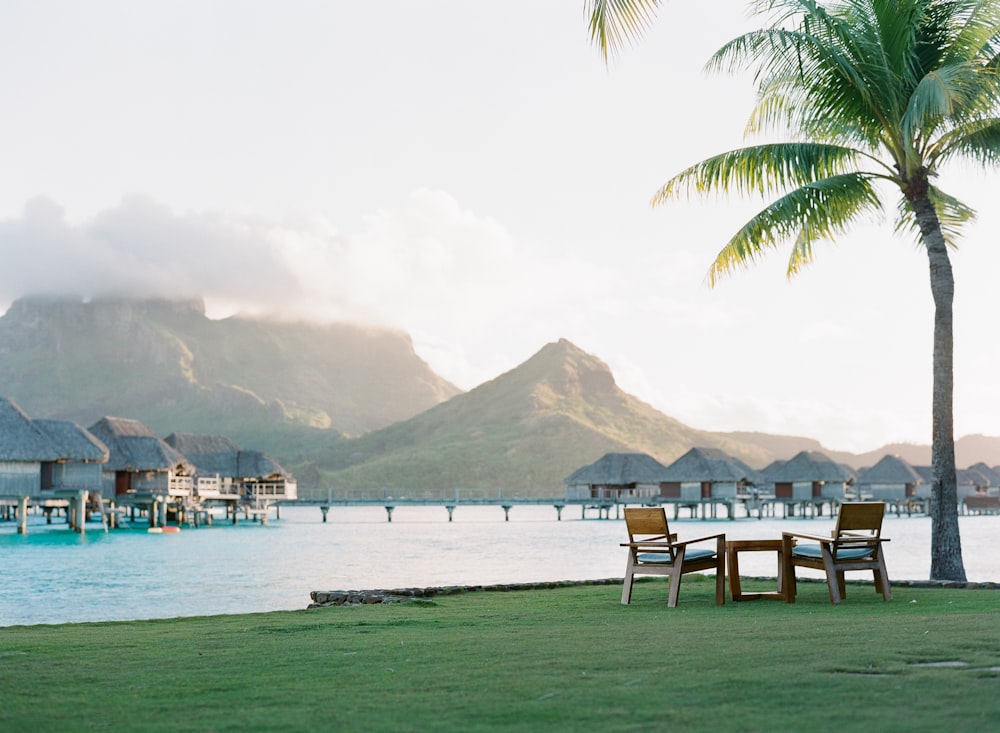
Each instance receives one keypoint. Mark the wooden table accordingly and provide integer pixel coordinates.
(733, 550)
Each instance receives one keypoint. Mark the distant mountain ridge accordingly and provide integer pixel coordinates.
(529, 428)
(349, 407)
(286, 388)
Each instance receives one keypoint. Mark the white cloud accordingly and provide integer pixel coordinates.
(841, 354)
(140, 249)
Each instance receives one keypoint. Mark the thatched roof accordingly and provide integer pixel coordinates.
(709, 464)
(217, 455)
(806, 466)
(972, 476)
(73, 442)
(619, 469)
(890, 470)
(21, 439)
(134, 447)
(990, 476)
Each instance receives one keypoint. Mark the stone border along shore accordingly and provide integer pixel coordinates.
(324, 599)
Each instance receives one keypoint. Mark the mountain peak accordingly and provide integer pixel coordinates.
(568, 371)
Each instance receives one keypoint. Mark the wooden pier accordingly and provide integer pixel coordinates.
(741, 507)
(152, 509)
(155, 510)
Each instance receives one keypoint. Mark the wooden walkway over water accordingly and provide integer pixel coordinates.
(742, 507)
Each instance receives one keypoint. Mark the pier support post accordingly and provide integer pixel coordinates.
(22, 515)
(388, 512)
(559, 508)
(506, 513)
(451, 510)
(324, 509)
(81, 511)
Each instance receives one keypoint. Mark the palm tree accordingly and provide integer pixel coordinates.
(874, 97)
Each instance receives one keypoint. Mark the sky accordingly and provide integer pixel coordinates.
(475, 175)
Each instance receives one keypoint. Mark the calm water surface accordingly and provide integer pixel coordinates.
(52, 575)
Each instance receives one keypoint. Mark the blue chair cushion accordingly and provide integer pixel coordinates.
(844, 553)
(664, 559)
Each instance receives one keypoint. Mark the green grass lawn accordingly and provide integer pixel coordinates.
(569, 659)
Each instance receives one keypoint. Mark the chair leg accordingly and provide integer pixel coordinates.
(787, 572)
(676, 571)
(627, 582)
(720, 583)
(841, 584)
(882, 577)
(833, 578)
(675, 586)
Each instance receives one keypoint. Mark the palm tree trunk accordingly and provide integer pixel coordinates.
(946, 543)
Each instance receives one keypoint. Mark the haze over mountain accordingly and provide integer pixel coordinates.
(345, 406)
(525, 430)
(529, 428)
(286, 388)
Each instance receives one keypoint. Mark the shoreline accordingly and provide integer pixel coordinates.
(326, 599)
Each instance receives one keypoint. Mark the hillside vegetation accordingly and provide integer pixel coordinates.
(346, 407)
(523, 432)
(289, 389)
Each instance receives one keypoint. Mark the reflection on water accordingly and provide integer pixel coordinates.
(53, 575)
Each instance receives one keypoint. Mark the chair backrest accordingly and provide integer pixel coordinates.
(863, 517)
(646, 524)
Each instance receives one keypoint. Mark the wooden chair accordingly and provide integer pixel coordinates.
(855, 544)
(653, 550)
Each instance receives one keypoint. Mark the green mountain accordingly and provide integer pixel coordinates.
(289, 389)
(349, 407)
(523, 432)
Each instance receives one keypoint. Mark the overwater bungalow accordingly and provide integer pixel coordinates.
(808, 476)
(79, 471)
(617, 476)
(707, 473)
(892, 479)
(974, 487)
(47, 463)
(24, 447)
(23, 450)
(224, 470)
(142, 470)
(984, 479)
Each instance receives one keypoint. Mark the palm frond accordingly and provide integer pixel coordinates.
(760, 169)
(614, 24)
(811, 213)
(977, 141)
(943, 93)
(952, 216)
(825, 74)
(977, 36)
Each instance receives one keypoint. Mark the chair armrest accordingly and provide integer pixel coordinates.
(860, 536)
(649, 543)
(700, 539)
(811, 537)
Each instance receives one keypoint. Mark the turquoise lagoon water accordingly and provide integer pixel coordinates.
(52, 575)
